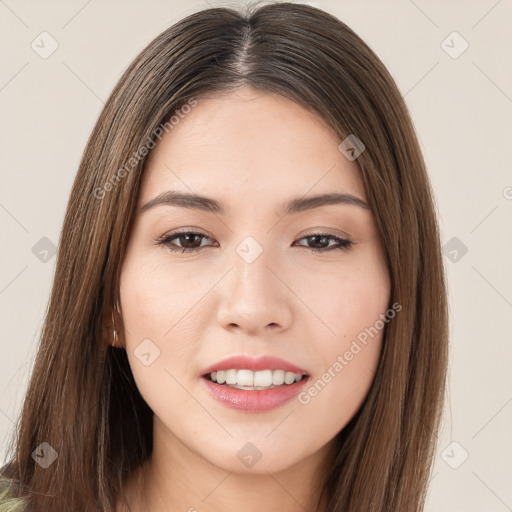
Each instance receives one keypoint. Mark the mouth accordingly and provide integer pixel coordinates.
(254, 385)
(254, 381)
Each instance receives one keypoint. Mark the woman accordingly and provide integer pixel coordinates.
(249, 306)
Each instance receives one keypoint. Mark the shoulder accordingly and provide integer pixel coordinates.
(8, 503)
(5, 487)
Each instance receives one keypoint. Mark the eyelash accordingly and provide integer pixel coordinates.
(343, 243)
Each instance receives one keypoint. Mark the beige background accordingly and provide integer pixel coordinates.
(462, 109)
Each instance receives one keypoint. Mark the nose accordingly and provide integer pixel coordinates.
(255, 298)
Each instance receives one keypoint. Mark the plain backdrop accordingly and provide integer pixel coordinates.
(452, 62)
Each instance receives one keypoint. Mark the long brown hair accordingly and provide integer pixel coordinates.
(82, 399)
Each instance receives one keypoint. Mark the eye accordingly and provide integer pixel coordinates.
(192, 241)
(321, 242)
(188, 239)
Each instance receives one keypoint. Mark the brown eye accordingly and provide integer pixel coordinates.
(188, 241)
(192, 241)
(319, 242)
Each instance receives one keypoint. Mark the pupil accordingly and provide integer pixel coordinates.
(189, 237)
(317, 239)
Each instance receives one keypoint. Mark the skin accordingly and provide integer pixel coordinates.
(253, 151)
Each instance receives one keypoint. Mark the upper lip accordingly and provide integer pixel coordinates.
(265, 362)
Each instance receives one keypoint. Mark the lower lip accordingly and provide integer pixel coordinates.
(254, 401)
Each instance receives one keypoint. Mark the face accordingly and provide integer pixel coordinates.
(287, 293)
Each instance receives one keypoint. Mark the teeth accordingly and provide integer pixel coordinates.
(278, 377)
(289, 377)
(262, 379)
(247, 379)
(231, 376)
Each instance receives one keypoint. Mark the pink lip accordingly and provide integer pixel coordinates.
(254, 401)
(257, 400)
(254, 364)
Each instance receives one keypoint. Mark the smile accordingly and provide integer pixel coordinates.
(249, 380)
(253, 384)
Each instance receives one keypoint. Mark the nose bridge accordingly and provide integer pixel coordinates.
(251, 273)
(254, 297)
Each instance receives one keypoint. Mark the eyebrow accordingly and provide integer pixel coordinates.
(206, 204)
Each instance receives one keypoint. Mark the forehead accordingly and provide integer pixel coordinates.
(252, 145)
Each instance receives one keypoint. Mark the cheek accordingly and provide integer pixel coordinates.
(351, 303)
(347, 297)
(338, 389)
(159, 341)
(156, 297)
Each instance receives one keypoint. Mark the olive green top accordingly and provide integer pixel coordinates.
(7, 502)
